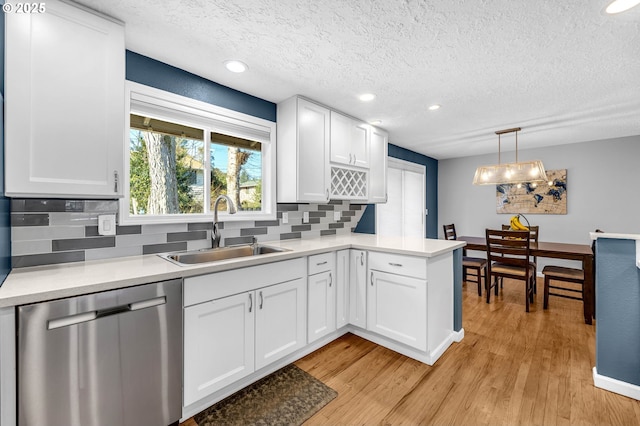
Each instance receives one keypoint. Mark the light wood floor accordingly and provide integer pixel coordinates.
(512, 367)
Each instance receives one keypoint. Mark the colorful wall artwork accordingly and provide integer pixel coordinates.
(541, 198)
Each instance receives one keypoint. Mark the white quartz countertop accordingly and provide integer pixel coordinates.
(40, 283)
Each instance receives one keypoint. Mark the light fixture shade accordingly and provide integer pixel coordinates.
(521, 172)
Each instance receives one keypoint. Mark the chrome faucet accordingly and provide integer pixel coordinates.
(215, 233)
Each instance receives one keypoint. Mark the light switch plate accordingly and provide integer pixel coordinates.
(305, 217)
(336, 216)
(107, 224)
(285, 217)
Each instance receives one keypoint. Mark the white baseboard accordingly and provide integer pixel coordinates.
(615, 385)
(458, 335)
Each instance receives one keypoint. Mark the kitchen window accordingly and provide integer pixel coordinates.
(182, 153)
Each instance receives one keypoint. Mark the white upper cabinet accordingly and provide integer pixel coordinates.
(64, 103)
(378, 166)
(349, 141)
(323, 154)
(303, 151)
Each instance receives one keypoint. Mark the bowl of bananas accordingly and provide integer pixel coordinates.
(516, 225)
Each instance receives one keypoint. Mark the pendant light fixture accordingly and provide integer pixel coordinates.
(518, 172)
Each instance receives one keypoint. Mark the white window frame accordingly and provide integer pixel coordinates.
(171, 107)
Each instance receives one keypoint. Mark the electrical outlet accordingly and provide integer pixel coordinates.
(336, 216)
(107, 224)
(305, 217)
(285, 217)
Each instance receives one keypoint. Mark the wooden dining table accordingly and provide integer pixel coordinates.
(581, 252)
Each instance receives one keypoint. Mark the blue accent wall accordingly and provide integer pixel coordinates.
(367, 224)
(618, 310)
(5, 204)
(151, 72)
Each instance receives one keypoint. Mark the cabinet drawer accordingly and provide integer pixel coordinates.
(409, 266)
(222, 284)
(321, 262)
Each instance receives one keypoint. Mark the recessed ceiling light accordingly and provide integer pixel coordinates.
(618, 6)
(367, 97)
(236, 66)
(434, 107)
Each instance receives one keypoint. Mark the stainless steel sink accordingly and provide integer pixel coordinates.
(212, 255)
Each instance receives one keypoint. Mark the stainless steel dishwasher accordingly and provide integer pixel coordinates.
(111, 358)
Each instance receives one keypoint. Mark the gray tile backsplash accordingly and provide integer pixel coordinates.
(50, 231)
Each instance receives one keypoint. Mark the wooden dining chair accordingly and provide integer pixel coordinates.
(534, 232)
(567, 275)
(508, 257)
(476, 264)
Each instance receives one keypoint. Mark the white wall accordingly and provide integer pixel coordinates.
(603, 191)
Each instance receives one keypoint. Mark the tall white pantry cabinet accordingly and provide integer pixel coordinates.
(64, 103)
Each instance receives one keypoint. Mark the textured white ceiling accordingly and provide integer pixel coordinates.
(564, 71)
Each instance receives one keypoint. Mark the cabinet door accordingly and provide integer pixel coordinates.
(358, 288)
(341, 135)
(397, 308)
(342, 288)
(280, 321)
(321, 309)
(360, 142)
(378, 166)
(313, 152)
(64, 127)
(218, 344)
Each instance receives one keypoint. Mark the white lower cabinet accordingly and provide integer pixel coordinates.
(321, 286)
(342, 287)
(397, 308)
(280, 321)
(358, 288)
(233, 327)
(220, 338)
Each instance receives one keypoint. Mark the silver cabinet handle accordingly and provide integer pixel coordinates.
(371, 279)
(395, 264)
(321, 263)
(330, 279)
(361, 258)
(354, 159)
(250, 302)
(350, 160)
(71, 320)
(327, 194)
(115, 181)
(261, 300)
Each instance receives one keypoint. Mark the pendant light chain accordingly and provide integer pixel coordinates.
(516, 146)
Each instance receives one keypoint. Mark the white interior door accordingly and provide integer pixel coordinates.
(404, 213)
(413, 195)
(389, 214)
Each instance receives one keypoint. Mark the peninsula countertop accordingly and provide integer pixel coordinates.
(40, 283)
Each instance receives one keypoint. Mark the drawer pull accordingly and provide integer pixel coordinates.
(330, 279)
(321, 263)
(395, 264)
(250, 302)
